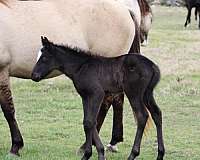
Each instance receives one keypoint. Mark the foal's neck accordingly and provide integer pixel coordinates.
(70, 59)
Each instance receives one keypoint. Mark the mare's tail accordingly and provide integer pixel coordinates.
(135, 47)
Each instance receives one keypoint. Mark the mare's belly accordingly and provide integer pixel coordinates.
(26, 26)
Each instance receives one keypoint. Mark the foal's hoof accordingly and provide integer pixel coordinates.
(11, 156)
(131, 157)
(160, 157)
(16, 147)
(15, 150)
(112, 148)
(102, 158)
(81, 151)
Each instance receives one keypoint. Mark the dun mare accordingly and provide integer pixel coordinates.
(73, 22)
(94, 76)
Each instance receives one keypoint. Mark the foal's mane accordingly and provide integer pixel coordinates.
(78, 51)
(144, 7)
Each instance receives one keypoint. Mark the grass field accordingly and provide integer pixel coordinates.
(50, 113)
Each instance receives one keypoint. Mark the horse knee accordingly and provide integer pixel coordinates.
(88, 124)
(158, 118)
(142, 118)
(101, 150)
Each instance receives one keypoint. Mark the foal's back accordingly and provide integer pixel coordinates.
(110, 72)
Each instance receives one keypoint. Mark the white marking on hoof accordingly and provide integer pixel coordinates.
(39, 55)
(80, 152)
(112, 148)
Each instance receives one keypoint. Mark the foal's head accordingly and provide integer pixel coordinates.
(47, 62)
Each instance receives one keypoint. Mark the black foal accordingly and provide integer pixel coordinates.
(93, 76)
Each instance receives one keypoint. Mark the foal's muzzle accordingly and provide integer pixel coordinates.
(36, 77)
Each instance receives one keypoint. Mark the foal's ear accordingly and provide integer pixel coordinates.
(45, 41)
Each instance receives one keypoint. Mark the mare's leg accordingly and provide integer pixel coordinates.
(91, 105)
(136, 101)
(8, 109)
(157, 117)
(117, 132)
(105, 106)
(188, 19)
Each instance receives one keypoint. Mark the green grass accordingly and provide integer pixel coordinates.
(50, 113)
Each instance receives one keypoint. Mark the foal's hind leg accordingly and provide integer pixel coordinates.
(8, 109)
(141, 117)
(157, 117)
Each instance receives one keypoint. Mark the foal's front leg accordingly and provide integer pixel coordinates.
(91, 105)
(141, 117)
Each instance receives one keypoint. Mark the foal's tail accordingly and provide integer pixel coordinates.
(135, 47)
(148, 95)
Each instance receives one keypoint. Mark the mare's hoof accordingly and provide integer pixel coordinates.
(112, 148)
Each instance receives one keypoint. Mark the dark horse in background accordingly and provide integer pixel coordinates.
(94, 76)
(189, 5)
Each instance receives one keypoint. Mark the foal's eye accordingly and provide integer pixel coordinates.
(44, 59)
